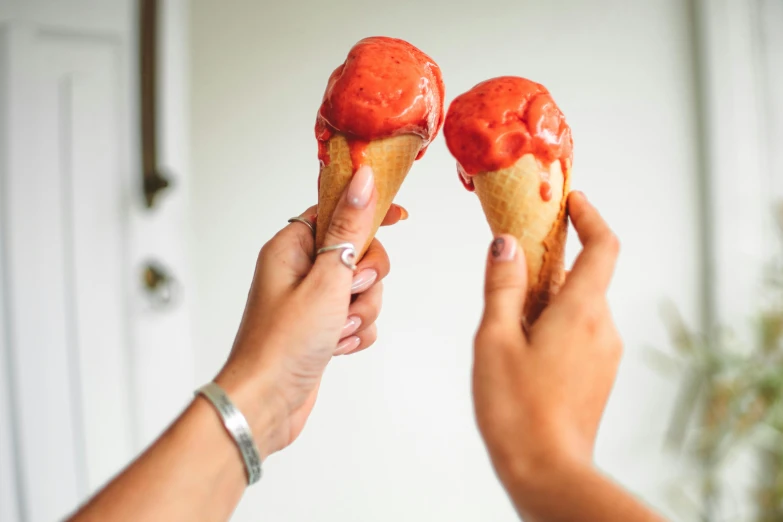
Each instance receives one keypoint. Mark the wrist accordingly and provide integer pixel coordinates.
(535, 473)
(257, 400)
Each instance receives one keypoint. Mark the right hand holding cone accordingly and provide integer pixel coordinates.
(539, 395)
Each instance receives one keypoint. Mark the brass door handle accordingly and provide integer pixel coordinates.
(154, 179)
(154, 183)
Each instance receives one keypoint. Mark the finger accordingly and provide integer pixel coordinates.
(305, 234)
(310, 214)
(396, 213)
(298, 230)
(505, 284)
(593, 269)
(373, 267)
(291, 248)
(351, 223)
(365, 309)
(356, 343)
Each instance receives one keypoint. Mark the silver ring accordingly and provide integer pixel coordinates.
(347, 256)
(303, 220)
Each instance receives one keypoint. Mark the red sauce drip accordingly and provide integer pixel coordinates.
(545, 189)
(465, 178)
(386, 87)
(500, 120)
(323, 149)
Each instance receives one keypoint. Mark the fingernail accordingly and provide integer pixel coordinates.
(351, 325)
(363, 280)
(348, 344)
(360, 189)
(503, 248)
(403, 214)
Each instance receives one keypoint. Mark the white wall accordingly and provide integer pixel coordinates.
(393, 436)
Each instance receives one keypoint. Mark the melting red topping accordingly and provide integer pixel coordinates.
(500, 120)
(386, 87)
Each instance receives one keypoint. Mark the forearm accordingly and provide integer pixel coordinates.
(192, 472)
(574, 492)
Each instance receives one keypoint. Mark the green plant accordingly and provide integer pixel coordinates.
(731, 398)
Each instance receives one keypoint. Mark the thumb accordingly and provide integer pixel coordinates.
(351, 223)
(505, 284)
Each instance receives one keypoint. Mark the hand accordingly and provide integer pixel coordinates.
(539, 397)
(303, 310)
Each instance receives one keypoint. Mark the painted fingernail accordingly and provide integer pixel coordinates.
(361, 187)
(348, 344)
(351, 325)
(403, 214)
(503, 248)
(363, 280)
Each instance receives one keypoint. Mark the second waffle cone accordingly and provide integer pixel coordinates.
(390, 159)
(513, 204)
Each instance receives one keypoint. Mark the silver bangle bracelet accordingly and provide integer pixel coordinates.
(236, 425)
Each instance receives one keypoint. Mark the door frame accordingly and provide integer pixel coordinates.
(738, 49)
(162, 354)
(736, 46)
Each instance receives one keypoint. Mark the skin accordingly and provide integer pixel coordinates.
(299, 314)
(539, 395)
(302, 310)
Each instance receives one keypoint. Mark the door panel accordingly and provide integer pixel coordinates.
(88, 93)
(65, 237)
(89, 373)
(37, 294)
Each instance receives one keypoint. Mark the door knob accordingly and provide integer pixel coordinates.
(161, 288)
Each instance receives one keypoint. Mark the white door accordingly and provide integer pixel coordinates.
(90, 371)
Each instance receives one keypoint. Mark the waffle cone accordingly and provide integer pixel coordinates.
(390, 159)
(512, 202)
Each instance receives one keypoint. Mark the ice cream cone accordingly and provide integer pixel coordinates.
(514, 200)
(390, 158)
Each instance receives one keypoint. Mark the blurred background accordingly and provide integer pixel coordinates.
(149, 148)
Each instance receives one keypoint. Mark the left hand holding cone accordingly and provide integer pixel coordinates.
(303, 309)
